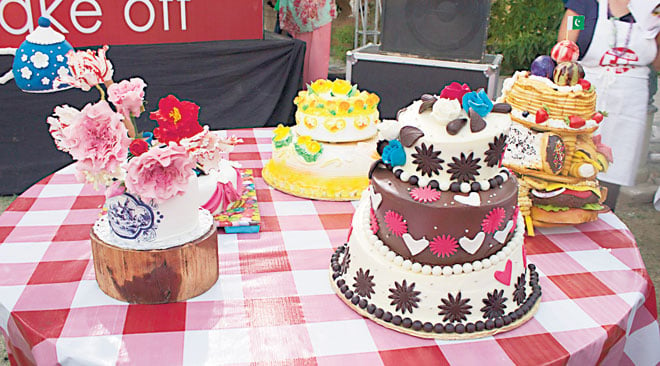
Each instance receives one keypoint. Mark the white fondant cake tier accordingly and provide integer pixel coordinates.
(338, 172)
(337, 128)
(488, 294)
(438, 156)
(203, 219)
(135, 224)
(350, 159)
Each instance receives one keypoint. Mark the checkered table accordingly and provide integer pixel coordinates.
(273, 302)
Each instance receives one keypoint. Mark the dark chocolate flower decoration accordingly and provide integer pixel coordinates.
(404, 297)
(427, 160)
(427, 103)
(494, 304)
(363, 284)
(519, 293)
(455, 309)
(495, 151)
(345, 261)
(465, 168)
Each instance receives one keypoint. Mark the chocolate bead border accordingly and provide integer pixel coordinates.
(457, 187)
(438, 328)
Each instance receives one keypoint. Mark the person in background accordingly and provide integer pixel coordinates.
(616, 48)
(310, 21)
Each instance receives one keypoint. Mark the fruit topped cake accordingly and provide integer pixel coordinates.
(436, 244)
(550, 145)
(553, 96)
(327, 154)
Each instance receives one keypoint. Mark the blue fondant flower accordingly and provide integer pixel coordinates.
(393, 154)
(478, 101)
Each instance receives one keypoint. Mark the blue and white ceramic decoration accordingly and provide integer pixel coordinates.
(130, 218)
(40, 59)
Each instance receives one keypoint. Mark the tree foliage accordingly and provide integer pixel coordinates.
(521, 30)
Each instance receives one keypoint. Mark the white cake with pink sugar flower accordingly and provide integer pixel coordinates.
(153, 242)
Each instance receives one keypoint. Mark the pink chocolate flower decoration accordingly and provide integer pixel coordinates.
(127, 96)
(160, 173)
(493, 220)
(86, 69)
(395, 223)
(425, 194)
(455, 91)
(443, 246)
(373, 221)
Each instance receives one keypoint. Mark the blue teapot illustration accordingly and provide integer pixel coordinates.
(39, 60)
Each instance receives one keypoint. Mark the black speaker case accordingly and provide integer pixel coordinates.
(399, 79)
(454, 30)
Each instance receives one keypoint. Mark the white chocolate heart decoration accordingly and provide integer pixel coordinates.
(415, 246)
(472, 245)
(376, 198)
(473, 199)
(500, 236)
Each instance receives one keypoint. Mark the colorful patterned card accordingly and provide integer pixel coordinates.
(242, 216)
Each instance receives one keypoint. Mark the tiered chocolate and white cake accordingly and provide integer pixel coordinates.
(436, 248)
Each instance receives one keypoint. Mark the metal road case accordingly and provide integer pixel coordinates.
(399, 79)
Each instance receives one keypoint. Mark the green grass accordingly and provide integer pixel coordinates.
(341, 41)
(5, 201)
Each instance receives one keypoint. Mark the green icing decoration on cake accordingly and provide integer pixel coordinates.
(310, 150)
(282, 136)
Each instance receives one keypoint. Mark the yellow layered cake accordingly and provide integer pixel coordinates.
(328, 153)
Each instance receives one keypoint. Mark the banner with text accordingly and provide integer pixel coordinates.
(125, 22)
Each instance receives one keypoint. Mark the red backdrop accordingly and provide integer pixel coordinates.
(121, 22)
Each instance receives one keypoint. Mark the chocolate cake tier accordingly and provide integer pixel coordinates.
(441, 228)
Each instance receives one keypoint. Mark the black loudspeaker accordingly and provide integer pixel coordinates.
(399, 80)
(442, 29)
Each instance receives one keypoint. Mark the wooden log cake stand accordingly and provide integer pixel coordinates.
(157, 276)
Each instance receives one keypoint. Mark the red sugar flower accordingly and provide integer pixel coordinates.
(138, 147)
(493, 220)
(443, 246)
(176, 119)
(373, 222)
(395, 223)
(425, 194)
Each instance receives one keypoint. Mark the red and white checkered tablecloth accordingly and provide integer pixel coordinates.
(273, 302)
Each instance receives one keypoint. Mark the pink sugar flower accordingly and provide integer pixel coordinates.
(395, 223)
(63, 116)
(443, 246)
(493, 220)
(128, 96)
(96, 137)
(160, 173)
(115, 189)
(86, 69)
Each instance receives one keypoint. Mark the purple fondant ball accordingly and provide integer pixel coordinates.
(543, 66)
